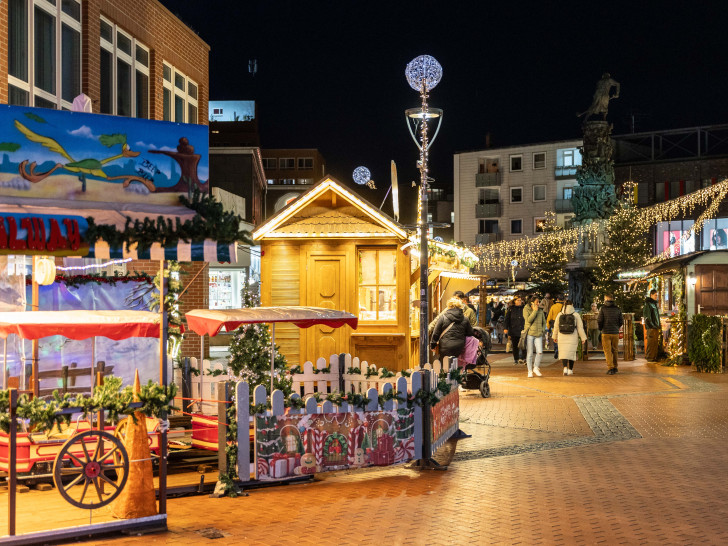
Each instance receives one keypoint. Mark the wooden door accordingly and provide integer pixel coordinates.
(711, 290)
(326, 287)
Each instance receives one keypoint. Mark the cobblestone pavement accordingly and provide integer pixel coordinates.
(635, 458)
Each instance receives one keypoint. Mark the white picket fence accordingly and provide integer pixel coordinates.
(329, 382)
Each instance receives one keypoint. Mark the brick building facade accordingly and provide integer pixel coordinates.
(130, 57)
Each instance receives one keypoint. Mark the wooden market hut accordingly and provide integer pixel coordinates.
(330, 248)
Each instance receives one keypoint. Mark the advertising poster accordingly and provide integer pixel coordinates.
(445, 417)
(718, 239)
(294, 445)
(74, 156)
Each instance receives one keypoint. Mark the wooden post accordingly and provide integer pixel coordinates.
(483, 297)
(12, 461)
(223, 396)
(163, 382)
(34, 383)
(628, 337)
(6, 371)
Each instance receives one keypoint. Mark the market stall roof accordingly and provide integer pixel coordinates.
(80, 324)
(211, 321)
(664, 266)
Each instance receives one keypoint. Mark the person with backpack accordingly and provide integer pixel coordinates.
(568, 329)
(534, 329)
(610, 320)
(551, 318)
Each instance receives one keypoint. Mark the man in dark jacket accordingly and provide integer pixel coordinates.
(610, 320)
(513, 326)
(651, 315)
(451, 330)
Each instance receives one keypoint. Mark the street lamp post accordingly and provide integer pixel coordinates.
(423, 74)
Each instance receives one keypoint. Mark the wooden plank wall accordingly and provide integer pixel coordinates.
(283, 273)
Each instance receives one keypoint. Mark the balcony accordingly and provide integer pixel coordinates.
(487, 211)
(487, 238)
(484, 180)
(563, 205)
(565, 172)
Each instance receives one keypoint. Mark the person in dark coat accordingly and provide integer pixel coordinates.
(451, 330)
(610, 320)
(651, 315)
(513, 327)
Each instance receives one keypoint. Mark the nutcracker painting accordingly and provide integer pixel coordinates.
(294, 445)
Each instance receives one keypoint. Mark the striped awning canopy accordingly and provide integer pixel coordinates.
(53, 227)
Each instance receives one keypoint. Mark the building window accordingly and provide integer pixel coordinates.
(517, 195)
(305, 181)
(539, 160)
(286, 163)
(270, 163)
(452, 217)
(516, 163)
(271, 180)
(488, 196)
(305, 162)
(179, 96)
(378, 285)
(488, 226)
(288, 181)
(516, 227)
(124, 73)
(539, 192)
(538, 225)
(568, 192)
(50, 77)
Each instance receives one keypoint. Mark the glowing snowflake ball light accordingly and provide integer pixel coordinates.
(423, 68)
(362, 175)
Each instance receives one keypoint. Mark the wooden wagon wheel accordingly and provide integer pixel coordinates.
(90, 485)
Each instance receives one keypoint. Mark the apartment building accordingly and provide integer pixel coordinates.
(504, 193)
(289, 173)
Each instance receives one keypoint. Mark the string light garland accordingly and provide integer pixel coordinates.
(498, 256)
(93, 266)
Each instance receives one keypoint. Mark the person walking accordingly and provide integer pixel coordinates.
(534, 328)
(568, 329)
(513, 326)
(546, 303)
(592, 326)
(651, 315)
(468, 310)
(451, 329)
(610, 320)
(556, 308)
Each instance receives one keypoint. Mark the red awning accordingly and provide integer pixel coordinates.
(211, 321)
(80, 324)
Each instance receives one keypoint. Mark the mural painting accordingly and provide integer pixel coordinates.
(292, 445)
(54, 154)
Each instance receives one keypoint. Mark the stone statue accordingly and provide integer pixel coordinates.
(600, 102)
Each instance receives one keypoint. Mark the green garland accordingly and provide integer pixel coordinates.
(212, 221)
(327, 369)
(74, 281)
(42, 416)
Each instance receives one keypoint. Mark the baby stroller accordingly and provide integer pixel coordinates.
(477, 374)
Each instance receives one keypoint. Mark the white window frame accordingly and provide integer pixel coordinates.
(563, 192)
(274, 163)
(534, 160)
(510, 163)
(282, 161)
(301, 163)
(510, 194)
(535, 221)
(116, 55)
(533, 193)
(60, 18)
(511, 225)
(184, 94)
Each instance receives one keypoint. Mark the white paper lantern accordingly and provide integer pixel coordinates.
(45, 271)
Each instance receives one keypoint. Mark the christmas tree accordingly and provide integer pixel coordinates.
(548, 265)
(627, 247)
(250, 352)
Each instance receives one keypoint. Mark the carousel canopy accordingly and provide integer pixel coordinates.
(80, 324)
(211, 321)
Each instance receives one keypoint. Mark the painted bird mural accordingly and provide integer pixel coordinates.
(89, 166)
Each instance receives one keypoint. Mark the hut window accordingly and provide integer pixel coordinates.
(378, 285)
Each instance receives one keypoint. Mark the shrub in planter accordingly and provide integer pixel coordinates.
(704, 344)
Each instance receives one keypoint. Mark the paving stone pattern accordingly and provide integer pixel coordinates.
(635, 458)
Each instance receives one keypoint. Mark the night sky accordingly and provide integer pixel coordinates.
(331, 74)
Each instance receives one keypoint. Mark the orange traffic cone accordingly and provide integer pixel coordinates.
(138, 498)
